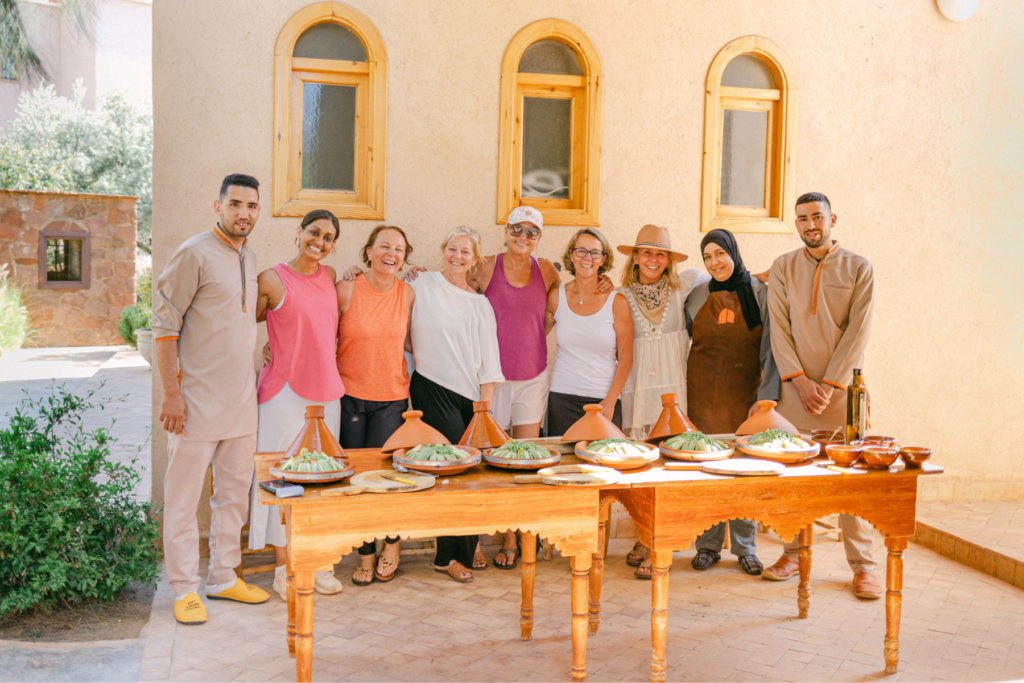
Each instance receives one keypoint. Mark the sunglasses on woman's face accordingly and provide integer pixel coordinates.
(531, 232)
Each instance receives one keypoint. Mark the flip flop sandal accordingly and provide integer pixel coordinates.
(479, 561)
(385, 563)
(454, 570)
(510, 562)
(646, 564)
(638, 549)
(362, 572)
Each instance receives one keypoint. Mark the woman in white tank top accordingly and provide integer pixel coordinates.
(594, 332)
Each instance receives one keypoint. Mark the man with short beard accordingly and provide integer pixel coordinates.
(820, 301)
(204, 326)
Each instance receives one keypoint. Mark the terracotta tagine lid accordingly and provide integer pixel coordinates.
(483, 431)
(765, 418)
(415, 432)
(593, 426)
(671, 422)
(315, 436)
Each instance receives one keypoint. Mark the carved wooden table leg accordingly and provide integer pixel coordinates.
(580, 571)
(661, 560)
(597, 568)
(303, 626)
(529, 557)
(803, 601)
(290, 592)
(893, 601)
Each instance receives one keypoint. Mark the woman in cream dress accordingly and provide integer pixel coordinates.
(656, 294)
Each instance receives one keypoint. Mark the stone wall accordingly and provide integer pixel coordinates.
(72, 317)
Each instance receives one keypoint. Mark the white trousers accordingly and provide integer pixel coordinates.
(281, 418)
(183, 486)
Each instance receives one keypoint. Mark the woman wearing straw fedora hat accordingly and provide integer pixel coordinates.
(656, 294)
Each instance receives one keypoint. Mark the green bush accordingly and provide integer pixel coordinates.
(14, 325)
(144, 289)
(70, 526)
(133, 318)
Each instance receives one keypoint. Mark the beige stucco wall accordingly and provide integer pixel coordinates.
(909, 122)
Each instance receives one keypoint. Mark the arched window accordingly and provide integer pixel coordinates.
(550, 141)
(749, 128)
(330, 107)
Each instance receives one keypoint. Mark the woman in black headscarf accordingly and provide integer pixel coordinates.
(730, 368)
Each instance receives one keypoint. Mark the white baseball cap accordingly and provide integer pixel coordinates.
(526, 214)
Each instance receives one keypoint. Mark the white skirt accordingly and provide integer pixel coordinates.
(281, 418)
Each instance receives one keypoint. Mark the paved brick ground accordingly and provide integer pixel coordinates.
(958, 624)
(995, 524)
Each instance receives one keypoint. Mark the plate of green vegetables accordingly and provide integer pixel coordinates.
(696, 447)
(312, 467)
(437, 458)
(778, 445)
(521, 455)
(622, 454)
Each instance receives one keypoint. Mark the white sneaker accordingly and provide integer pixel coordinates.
(281, 584)
(326, 584)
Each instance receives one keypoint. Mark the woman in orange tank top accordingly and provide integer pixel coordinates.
(375, 310)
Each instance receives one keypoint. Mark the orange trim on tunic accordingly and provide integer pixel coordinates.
(245, 292)
(165, 338)
(817, 272)
(789, 377)
(833, 384)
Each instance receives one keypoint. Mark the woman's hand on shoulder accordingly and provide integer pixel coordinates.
(413, 273)
(351, 273)
(604, 283)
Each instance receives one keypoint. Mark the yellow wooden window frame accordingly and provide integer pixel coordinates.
(583, 206)
(370, 81)
(780, 104)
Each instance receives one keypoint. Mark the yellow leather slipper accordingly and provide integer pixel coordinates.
(190, 610)
(242, 592)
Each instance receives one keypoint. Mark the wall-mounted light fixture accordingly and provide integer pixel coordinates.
(958, 10)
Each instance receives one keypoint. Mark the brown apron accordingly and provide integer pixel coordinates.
(724, 370)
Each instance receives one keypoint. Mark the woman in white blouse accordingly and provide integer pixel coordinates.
(455, 353)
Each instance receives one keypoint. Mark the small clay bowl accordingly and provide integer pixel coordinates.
(827, 436)
(914, 457)
(843, 455)
(884, 440)
(879, 457)
(859, 443)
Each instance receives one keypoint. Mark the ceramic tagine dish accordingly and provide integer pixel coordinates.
(521, 455)
(437, 458)
(766, 417)
(600, 442)
(778, 445)
(413, 433)
(671, 422)
(483, 431)
(315, 456)
(696, 447)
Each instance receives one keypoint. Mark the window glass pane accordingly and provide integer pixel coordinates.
(744, 146)
(747, 71)
(328, 137)
(330, 41)
(550, 57)
(63, 260)
(547, 147)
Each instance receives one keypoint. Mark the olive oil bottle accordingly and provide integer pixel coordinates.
(856, 408)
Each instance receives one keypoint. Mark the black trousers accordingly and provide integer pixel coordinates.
(450, 414)
(368, 424)
(565, 409)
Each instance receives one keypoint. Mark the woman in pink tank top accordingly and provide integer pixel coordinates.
(298, 302)
(375, 310)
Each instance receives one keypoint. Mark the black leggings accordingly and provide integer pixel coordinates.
(368, 424)
(450, 414)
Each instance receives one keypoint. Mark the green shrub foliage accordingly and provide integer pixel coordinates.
(70, 526)
(133, 318)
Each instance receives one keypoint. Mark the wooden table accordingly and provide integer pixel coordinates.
(670, 515)
(484, 500)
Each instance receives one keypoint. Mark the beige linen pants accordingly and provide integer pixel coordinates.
(183, 486)
(857, 533)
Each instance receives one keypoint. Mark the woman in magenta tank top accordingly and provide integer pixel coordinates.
(299, 304)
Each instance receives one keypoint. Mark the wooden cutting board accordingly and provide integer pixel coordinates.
(375, 481)
(744, 467)
(572, 475)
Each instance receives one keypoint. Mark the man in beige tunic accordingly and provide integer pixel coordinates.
(820, 302)
(204, 326)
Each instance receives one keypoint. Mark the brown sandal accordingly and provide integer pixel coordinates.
(360, 571)
(479, 561)
(385, 564)
(455, 570)
(639, 550)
